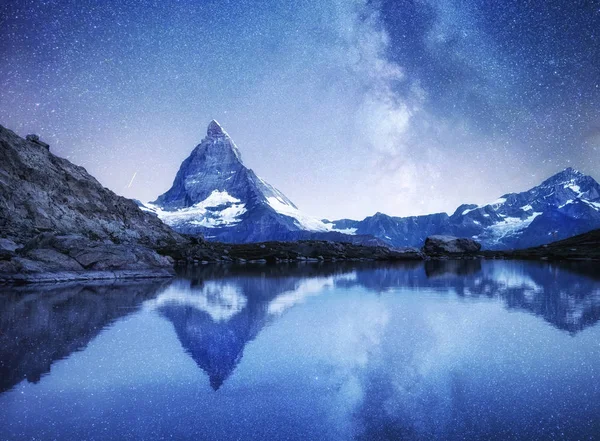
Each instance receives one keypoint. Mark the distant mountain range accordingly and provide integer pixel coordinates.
(215, 195)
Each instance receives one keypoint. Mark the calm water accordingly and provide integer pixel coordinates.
(450, 350)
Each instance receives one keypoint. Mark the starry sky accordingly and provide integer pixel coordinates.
(348, 106)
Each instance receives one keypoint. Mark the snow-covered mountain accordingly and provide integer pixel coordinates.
(562, 206)
(215, 195)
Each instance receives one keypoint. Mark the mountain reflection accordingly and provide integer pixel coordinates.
(42, 324)
(217, 310)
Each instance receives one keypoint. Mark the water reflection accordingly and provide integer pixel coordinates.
(434, 350)
(42, 324)
(217, 310)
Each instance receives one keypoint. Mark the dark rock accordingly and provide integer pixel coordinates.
(36, 139)
(58, 222)
(8, 245)
(42, 192)
(437, 245)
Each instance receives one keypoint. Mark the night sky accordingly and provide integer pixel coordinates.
(348, 107)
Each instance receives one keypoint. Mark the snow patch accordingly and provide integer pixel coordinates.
(219, 209)
(302, 220)
(574, 187)
(508, 227)
(595, 205)
(570, 201)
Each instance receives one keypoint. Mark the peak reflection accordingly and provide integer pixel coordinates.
(217, 310)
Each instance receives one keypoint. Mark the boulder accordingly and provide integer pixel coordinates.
(443, 245)
(36, 139)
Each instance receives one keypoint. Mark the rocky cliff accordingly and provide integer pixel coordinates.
(56, 217)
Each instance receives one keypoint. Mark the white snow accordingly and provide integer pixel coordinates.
(205, 213)
(571, 185)
(494, 204)
(595, 205)
(527, 207)
(570, 201)
(302, 220)
(508, 226)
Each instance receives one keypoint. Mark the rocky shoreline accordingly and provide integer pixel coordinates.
(52, 258)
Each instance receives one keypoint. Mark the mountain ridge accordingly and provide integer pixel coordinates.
(216, 196)
(563, 205)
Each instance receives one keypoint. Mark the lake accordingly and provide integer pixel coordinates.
(435, 350)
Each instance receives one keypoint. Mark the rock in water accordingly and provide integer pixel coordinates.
(437, 245)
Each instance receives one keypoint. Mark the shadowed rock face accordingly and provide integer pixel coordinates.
(44, 323)
(215, 195)
(41, 192)
(56, 218)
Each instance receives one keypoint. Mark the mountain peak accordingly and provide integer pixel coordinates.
(570, 171)
(566, 175)
(214, 129)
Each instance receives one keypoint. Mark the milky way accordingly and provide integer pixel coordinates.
(348, 107)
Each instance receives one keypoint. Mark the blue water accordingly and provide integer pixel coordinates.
(442, 350)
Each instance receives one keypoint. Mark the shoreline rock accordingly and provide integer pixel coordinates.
(450, 246)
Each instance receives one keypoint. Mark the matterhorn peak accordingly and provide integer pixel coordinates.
(214, 129)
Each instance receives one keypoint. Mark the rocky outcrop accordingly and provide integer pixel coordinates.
(41, 192)
(450, 245)
(57, 222)
(49, 257)
(303, 250)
